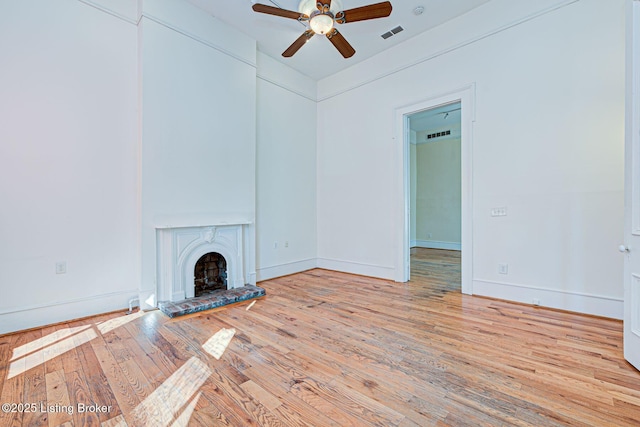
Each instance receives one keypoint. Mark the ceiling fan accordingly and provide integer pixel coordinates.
(322, 15)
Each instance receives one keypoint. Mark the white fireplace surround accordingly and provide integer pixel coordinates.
(179, 248)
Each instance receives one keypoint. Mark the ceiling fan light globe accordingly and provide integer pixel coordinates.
(321, 23)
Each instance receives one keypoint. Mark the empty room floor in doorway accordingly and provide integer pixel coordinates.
(441, 267)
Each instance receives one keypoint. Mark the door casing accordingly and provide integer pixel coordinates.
(466, 97)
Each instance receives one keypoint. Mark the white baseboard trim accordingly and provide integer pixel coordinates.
(272, 272)
(433, 244)
(379, 271)
(32, 316)
(596, 305)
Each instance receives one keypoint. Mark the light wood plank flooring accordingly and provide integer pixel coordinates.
(328, 349)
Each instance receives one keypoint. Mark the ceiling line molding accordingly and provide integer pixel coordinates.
(108, 11)
(280, 85)
(198, 39)
(449, 49)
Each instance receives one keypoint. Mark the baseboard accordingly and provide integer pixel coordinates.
(433, 244)
(267, 273)
(578, 302)
(382, 272)
(33, 316)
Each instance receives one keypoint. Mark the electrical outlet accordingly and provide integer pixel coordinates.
(61, 267)
(503, 268)
(275, 245)
(536, 301)
(286, 244)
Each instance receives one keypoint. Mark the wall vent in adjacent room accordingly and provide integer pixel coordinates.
(393, 31)
(439, 134)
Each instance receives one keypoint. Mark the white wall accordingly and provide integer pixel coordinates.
(286, 170)
(547, 144)
(67, 161)
(198, 126)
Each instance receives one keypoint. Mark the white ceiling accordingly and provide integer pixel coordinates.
(443, 117)
(318, 58)
(435, 118)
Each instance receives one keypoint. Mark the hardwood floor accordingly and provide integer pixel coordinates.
(329, 349)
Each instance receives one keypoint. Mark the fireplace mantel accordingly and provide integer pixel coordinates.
(179, 245)
(189, 221)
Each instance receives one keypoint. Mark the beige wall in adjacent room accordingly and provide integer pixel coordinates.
(438, 196)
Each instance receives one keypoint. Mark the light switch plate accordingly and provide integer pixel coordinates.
(499, 211)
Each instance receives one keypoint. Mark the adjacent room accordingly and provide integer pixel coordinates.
(270, 213)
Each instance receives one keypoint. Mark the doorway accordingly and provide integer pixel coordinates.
(435, 178)
(435, 182)
(462, 101)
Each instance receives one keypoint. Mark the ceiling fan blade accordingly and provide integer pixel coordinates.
(372, 11)
(296, 45)
(271, 10)
(341, 43)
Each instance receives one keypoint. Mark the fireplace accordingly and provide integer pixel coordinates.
(210, 274)
(213, 255)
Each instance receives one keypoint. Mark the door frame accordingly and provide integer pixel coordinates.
(631, 325)
(466, 97)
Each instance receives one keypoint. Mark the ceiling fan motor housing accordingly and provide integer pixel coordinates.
(321, 21)
(308, 6)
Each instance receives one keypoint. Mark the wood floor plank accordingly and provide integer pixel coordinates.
(58, 399)
(118, 421)
(16, 368)
(97, 383)
(53, 334)
(162, 363)
(118, 383)
(5, 356)
(35, 393)
(80, 395)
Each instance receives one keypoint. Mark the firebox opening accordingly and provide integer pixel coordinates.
(210, 274)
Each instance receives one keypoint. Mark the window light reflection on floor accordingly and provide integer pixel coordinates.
(43, 349)
(161, 407)
(45, 341)
(23, 364)
(218, 343)
(116, 322)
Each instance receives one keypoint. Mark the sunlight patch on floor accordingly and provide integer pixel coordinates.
(45, 341)
(218, 343)
(43, 349)
(183, 419)
(161, 407)
(32, 360)
(116, 322)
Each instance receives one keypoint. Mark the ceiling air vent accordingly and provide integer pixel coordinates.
(439, 134)
(393, 31)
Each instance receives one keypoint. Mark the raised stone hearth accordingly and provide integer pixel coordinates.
(214, 299)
